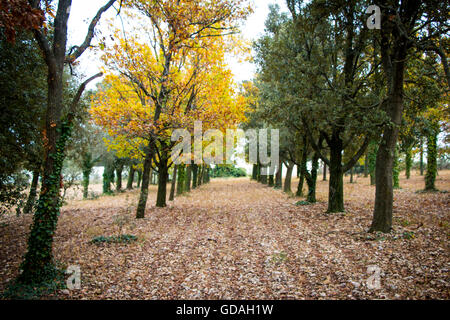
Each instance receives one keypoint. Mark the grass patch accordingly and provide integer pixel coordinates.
(303, 203)
(279, 258)
(408, 235)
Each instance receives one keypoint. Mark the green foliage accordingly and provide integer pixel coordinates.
(279, 258)
(227, 170)
(396, 171)
(11, 192)
(22, 103)
(408, 163)
(408, 235)
(123, 238)
(372, 158)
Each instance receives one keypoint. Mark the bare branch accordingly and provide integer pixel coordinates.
(90, 34)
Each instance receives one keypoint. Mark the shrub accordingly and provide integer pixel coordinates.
(123, 238)
(227, 170)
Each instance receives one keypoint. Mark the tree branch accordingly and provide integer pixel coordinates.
(314, 145)
(90, 34)
(77, 97)
(356, 157)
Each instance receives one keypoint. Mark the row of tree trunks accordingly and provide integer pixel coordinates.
(187, 177)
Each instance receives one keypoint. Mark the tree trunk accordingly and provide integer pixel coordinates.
(32, 195)
(382, 219)
(162, 184)
(172, 185)
(384, 195)
(255, 172)
(324, 171)
(86, 175)
(37, 266)
(145, 181)
(271, 181)
(312, 180)
(264, 176)
(336, 185)
(180, 179)
(258, 172)
(108, 178)
(131, 174)
(287, 179)
(194, 176)
(430, 176)
(38, 261)
(139, 179)
(119, 178)
(187, 186)
(279, 175)
(200, 175)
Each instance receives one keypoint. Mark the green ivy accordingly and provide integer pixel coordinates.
(396, 171)
(38, 266)
(123, 238)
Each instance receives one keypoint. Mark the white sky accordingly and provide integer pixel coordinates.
(82, 12)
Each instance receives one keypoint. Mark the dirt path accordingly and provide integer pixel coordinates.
(237, 239)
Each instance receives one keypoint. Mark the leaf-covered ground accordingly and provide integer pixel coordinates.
(237, 239)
